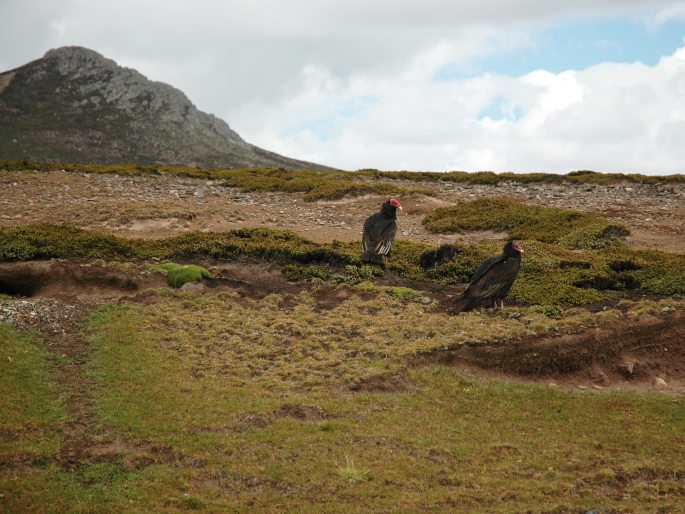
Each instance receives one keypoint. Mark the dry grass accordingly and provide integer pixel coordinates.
(285, 342)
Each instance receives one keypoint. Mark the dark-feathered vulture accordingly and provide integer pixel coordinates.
(379, 232)
(492, 280)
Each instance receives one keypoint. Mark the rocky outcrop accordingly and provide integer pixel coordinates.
(74, 105)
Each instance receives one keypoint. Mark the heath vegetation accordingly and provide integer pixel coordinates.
(317, 380)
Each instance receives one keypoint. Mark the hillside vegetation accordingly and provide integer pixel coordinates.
(273, 179)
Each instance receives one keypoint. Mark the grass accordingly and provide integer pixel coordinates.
(222, 403)
(227, 403)
(246, 429)
(567, 228)
(32, 414)
(351, 473)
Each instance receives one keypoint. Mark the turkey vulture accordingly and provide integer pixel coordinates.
(379, 232)
(492, 280)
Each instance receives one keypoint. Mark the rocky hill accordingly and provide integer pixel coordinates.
(74, 105)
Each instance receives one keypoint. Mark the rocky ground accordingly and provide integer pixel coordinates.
(159, 206)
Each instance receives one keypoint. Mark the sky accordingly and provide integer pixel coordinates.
(501, 85)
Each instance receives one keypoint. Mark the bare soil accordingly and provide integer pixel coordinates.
(636, 356)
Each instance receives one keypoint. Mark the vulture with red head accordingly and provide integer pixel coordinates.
(379, 232)
(492, 280)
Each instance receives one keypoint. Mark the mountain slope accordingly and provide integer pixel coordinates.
(74, 105)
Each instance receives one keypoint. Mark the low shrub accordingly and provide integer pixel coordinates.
(550, 273)
(280, 179)
(568, 228)
(296, 272)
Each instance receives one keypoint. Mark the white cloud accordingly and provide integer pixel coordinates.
(609, 117)
(668, 13)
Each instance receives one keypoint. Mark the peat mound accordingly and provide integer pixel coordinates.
(646, 354)
(69, 278)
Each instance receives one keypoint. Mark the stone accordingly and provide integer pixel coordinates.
(660, 383)
(627, 367)
(193, 287)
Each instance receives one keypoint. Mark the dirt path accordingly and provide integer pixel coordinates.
(160, 206)
(59, 320)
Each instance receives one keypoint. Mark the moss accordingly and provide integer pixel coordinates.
(361, 273)
(568, 228)
(179, 274)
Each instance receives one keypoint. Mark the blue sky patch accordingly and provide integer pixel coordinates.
(329, 125)
(577, 44)
(501, 108)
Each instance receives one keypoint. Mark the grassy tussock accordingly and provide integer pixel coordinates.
(568, 228)
(550, 274)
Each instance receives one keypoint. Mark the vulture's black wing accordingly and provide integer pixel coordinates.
(485, 266)
(492, 279)
(379, 233)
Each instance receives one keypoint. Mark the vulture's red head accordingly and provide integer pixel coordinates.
(395, 203)
(516, 247)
